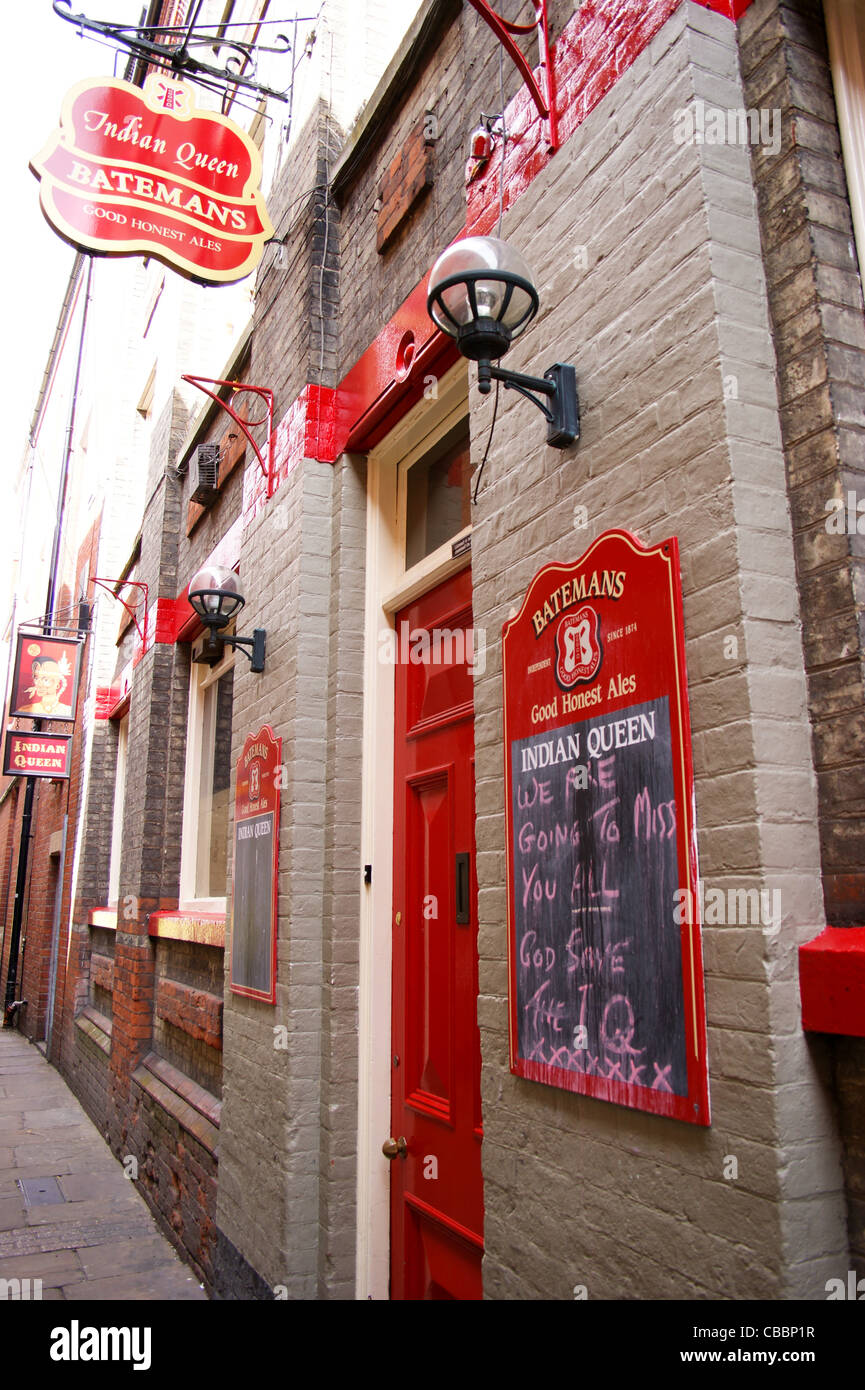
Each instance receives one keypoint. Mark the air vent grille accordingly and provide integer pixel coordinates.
(204, 474)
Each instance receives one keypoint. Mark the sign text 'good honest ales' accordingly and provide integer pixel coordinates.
(606, 987)
(136, 171)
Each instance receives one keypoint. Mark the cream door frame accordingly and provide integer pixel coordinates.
(388, 588)
(845, 30)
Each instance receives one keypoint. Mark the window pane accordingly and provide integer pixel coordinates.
(438, 495)
(215, 789)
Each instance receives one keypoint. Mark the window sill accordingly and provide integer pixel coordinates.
(203, 927)
(104, 917)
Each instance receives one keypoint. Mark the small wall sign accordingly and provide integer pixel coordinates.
(606, 981)
(256, 862)
(36, 755)
(45, 677)
(135, 171)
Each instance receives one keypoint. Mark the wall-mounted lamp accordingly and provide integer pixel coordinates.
(481, 293)
(216, 596)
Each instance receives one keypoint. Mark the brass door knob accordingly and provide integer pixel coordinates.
(394, 1148)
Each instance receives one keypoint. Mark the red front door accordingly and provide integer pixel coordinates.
(436, 1187)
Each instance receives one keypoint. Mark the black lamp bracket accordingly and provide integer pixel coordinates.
(558, 385)
(252, 647)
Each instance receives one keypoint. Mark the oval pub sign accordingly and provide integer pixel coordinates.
(605, 968)
(135, 171)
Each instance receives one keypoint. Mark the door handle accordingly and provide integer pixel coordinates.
(394, 1148)
(461, 875)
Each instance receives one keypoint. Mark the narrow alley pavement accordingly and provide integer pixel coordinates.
(68, 1214)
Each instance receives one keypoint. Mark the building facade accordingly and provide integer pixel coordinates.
(690, 226)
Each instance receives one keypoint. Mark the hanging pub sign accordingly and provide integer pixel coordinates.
(36, 755)
(256, 860)
(605, 967)
(135, 171)
(45, 677)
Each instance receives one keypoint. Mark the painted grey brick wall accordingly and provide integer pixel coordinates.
(342, 885)
(268, 1204)
(668, 326)
(815, 303)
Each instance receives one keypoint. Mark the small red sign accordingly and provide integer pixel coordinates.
(606, 983)
(256, 862)
(45, 677)
(145, 172)
(36, 755)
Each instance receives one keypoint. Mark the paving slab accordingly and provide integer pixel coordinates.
(100, 1243)
(13, 1212)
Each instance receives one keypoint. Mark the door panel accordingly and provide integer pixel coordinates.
(436, 1189)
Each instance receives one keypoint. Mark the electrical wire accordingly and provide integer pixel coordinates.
(489, 442)
(498, 234)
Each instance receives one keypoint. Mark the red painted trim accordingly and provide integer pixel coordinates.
(319, 436)
(832, 982)
(107, 697)
(121, 708)
(391, 375)
(388, 378)
(731, 9)
(171, 615)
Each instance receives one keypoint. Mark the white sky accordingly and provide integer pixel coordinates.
(45, 56)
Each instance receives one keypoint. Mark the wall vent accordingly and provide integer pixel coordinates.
(204, 474)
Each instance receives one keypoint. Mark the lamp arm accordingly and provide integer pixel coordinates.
(252, 647)
(526, 385)
(559, 383)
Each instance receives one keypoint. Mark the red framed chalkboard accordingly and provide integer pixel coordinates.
(256, 862)
(605, 966)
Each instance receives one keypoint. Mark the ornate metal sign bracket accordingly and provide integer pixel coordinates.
(504, 31)
(238, 387)
(112, 586)
(170, 46)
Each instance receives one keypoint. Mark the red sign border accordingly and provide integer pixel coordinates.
(693, 1108)
(24, 636)
(265, 733)
(53, 775)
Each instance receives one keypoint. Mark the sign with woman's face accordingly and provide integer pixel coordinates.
(45, 679)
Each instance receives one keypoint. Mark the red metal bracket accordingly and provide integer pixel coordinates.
(238, 388)
(503, 30)
(108, 586)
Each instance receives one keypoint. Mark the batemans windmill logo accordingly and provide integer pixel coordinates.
(135, 171)
(254, 781)
(578, 647)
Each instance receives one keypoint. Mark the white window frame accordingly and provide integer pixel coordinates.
(201, 678)
(117, 812)
(845, 29)
(440, 563)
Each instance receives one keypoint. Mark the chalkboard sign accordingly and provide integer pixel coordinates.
(256, 857)
(606, 990)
